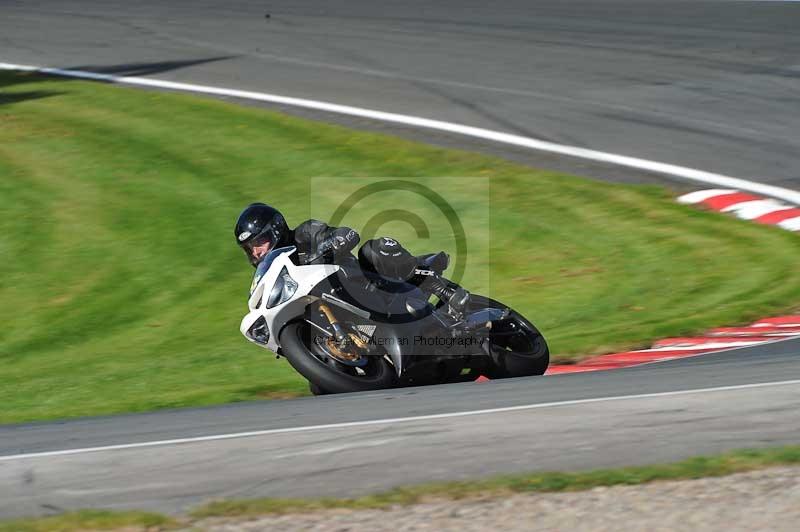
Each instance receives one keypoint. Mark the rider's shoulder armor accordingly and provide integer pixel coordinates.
(317, 242)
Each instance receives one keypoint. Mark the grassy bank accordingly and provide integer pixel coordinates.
(122, 288)
(92, 520)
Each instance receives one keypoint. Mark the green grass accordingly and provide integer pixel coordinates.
(692, 468)
(86, 520)
(121, 287)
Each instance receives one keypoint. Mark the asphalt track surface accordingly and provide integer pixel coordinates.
(742, 398)
(710, 85)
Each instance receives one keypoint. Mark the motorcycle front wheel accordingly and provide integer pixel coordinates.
(308, 353)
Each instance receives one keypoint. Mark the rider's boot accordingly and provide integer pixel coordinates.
(428, 278)
(455, 297)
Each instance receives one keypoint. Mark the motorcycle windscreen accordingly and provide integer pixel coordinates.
(266, 263)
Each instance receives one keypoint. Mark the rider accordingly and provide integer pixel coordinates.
(261, 228)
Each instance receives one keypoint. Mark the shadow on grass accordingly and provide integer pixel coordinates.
(11, 78)
(7, 98)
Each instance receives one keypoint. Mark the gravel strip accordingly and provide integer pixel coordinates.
(768, 499)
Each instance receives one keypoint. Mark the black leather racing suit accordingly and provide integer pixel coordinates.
(319, 243)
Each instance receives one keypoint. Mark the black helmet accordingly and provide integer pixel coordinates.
(257, 225)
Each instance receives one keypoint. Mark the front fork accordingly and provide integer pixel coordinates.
(331, 326)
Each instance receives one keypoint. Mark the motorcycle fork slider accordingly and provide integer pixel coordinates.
(338, 331)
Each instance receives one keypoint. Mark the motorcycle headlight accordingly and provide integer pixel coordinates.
(259, 332)
(283, 289)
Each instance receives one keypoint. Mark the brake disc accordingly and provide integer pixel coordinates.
(349, 354)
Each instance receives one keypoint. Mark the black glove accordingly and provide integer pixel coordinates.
(318, 243)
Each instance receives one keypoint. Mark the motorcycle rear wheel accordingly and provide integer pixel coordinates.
(519, 350)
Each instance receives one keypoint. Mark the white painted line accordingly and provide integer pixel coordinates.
(750, 210)
(699, 196)
(690, 174)
(699, 347)
(390, 421)
(777, 335)
(792, 224)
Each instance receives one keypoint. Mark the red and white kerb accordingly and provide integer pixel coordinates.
(746, 206)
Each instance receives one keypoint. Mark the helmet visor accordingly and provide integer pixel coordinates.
(258, 246)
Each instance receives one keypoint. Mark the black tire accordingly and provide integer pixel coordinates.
(316, 390)
(326, 374)
(528, 357)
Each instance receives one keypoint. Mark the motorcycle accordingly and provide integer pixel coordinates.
(346, 329)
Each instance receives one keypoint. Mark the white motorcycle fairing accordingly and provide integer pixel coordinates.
(264, 289)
